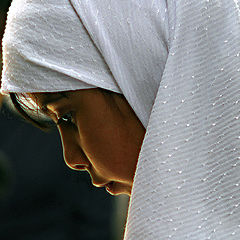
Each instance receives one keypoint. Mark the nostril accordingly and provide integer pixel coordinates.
(80, 167)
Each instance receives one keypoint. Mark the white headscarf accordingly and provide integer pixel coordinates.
(178, 65)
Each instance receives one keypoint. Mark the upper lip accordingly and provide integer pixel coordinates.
(100, 184)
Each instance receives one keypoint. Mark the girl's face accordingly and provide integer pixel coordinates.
(100, 134)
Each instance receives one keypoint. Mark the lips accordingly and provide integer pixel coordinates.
(111, 188)
(108, 186)
(99, 185)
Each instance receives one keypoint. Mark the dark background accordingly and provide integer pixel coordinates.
(40, 198)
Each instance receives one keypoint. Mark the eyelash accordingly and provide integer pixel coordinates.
(66, 119)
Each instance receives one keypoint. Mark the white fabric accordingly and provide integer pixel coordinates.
(178, 64)
(45, 44)
(50, 50)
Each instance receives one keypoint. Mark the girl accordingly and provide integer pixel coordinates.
(104, 71)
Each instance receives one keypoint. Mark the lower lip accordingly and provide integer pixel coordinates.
(110, 187)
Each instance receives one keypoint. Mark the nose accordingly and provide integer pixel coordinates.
(75, 160)
(73, 154)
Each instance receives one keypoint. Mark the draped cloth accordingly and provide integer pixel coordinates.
(178, 65)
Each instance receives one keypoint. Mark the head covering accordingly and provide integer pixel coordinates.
(178, 65)
(72, 46)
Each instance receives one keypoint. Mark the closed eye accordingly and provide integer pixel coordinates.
(66, 119)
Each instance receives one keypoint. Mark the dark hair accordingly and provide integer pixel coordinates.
(18, 104)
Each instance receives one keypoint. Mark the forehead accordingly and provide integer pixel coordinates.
(42, 99)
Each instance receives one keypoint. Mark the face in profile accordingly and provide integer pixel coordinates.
(100, 134)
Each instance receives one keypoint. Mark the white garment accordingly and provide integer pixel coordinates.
(50, 50)
(178, 64)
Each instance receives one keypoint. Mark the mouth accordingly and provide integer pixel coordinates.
(111, 188)
(108, 186)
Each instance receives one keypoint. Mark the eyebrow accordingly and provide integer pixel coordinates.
(48, 101)
(46, 117)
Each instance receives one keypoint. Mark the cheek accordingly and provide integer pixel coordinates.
(110, 150)
(110, 134)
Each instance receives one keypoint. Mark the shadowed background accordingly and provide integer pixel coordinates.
(42, 199)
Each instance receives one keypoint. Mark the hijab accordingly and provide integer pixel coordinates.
(178, 65)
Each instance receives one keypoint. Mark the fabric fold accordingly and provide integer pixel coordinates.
(187, 181)
(46, 45)
(177, 64)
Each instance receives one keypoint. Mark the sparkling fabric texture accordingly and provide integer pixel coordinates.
(178, 65)
(45, 44)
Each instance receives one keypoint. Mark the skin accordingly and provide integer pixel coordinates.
(100, 134)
